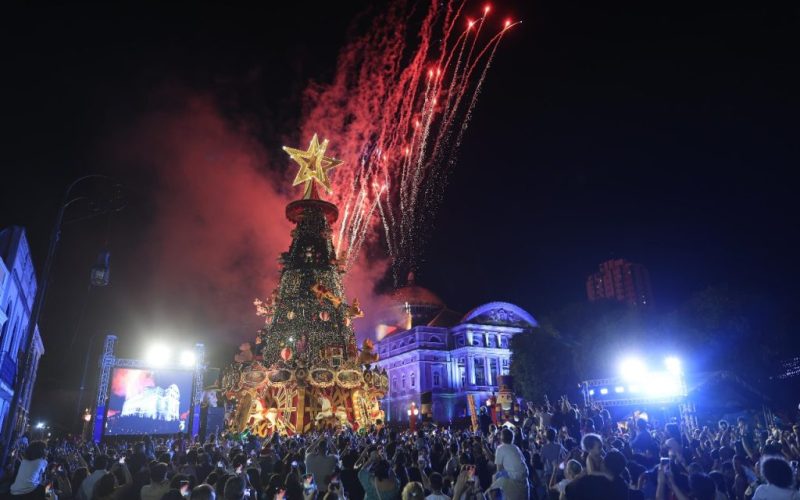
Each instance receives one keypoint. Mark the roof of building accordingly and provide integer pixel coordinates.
(500, 314)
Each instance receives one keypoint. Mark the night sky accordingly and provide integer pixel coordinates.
(663, 134)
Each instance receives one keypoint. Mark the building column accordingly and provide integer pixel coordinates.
(470, 376)
(487, 370)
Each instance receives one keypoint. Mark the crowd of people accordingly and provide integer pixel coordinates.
(561, 452)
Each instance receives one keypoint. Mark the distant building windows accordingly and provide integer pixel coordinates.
(413, 380)
(434, 339)
(504, 342)
(491, 340)
(460, 340)
(394, 383)
(494, 371)
(404, 381)
(436, 379)
(476, 342)
(505, 365)
(480, 372)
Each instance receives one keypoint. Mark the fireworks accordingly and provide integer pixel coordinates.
(398, 112)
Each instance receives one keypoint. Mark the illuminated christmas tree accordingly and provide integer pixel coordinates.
(307, 319)
(309, 373)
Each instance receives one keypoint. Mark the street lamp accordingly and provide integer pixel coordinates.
(87, 420)
(38, 304)
(413, 412)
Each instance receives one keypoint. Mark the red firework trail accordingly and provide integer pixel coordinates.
(397, 113)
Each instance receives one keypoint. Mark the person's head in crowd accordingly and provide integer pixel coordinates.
(119, 472)
(78, 476)
(37, 450)
(239, 462)
(212, 478)
(179, 481)
(381, 470)
(681, 482)
(349, 461)
(550, 435)
(203, 492)
(234, 488)
(702, 487)
(436, 483)
(741, 423)
(588, 425)
(413, 491)
(592, 444)
(589, 487)
(158, 472)
(138, 448)
(104, 487)
(673, 430)
(723, 425)
(572, 469)
(507, 436)
(100, 462)
(614, 463)
(777, 472)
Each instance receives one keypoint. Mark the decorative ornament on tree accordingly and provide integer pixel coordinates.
(355, 310)
(324, 315)
(322, 293)
(290, 315)
(368, 355)
(286, 354)
(314, 165)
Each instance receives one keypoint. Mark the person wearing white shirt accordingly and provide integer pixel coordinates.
(31, 470)
(436, 484)
(512, 473)
(779, 477)
(98, 470)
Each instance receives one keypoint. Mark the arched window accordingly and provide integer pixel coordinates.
(413, 380)
(404, 381)
(434, 339)
(436, 379)
(504, 342)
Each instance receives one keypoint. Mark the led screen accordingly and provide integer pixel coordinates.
(148, 401)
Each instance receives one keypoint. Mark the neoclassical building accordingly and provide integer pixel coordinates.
(17, 291)
(424, 346)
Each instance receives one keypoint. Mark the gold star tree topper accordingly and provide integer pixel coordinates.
(314, 166)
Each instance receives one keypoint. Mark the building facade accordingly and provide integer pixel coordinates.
(17, 290)
(426, 347)
(620, 280)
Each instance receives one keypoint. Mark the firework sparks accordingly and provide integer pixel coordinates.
(398, 115)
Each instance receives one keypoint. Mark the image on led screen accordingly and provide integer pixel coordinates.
(148, 401)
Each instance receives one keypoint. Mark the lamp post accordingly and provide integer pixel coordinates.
(87, 422)
(413, 412)
(36, 309)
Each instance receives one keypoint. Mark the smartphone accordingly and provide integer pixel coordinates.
(221, 464)
(294, 463)
(249, 461)
(665, 461)
(471, 471)
(308, 482)
(122, 460)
